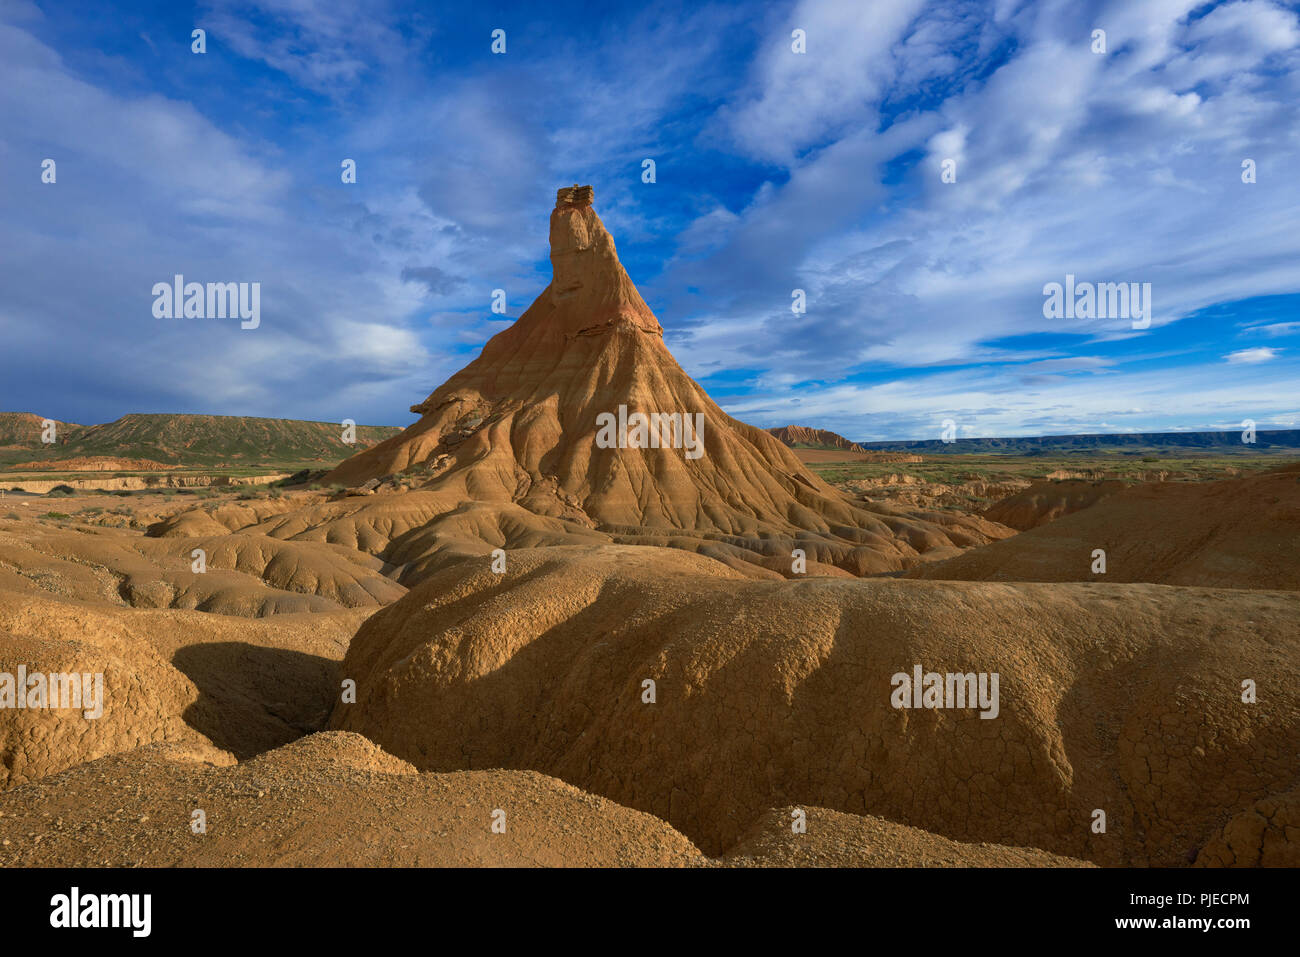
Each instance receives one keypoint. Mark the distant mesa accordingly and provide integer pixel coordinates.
(175, 440)
(1133, 443)
(22, 430)
(796, 436)
(802, 438)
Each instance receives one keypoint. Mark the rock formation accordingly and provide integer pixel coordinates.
(796, 435)
(521, 426)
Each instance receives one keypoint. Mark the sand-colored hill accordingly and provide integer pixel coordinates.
(140, 699)
(522, 430)
(1234, 533)
(1125, 698)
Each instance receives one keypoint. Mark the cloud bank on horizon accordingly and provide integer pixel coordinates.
(922, 171)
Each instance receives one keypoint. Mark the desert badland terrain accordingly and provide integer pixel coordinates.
(576, 614)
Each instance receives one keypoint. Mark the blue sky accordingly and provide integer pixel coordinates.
(775, 171)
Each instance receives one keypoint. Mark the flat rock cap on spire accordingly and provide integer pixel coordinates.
(574, 195)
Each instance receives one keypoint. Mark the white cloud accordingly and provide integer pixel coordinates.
(1122, 167)
(990, 401)
(1106, 167)
(1262, 354)
(800, 99)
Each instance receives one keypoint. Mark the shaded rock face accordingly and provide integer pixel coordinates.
(520, 425)
(1233, 533)
(1047, 500)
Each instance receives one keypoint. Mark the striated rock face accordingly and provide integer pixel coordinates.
(574, 195)
(817, 438)
(519, 426)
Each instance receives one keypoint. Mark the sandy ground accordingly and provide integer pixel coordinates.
(335, 799)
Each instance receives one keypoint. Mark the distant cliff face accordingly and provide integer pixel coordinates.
(795, 435)
(25, 430)
(175, 440)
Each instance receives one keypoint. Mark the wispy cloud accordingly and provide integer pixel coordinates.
(1261, 354)
(777, 170)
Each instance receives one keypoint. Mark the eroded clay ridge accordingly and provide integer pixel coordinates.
(1123, 698)
(1239, 532)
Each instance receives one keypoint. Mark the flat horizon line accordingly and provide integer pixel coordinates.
(862, 442)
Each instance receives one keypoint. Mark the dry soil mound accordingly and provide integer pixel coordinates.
(337, 802)
(1265, 835)
(244, 685)
(336, 799)
(833, 839)
(140, 698)
(1120, 698)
